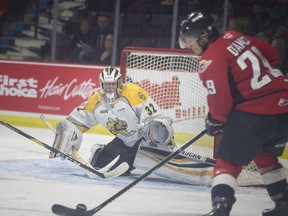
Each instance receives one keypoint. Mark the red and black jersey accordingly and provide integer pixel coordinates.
(239, 73)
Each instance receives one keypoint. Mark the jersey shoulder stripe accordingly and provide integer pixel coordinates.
(93, 100)
(135, 94)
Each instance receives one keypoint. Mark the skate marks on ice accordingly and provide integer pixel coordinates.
(30, 184)
(59, 170)
(152, 196)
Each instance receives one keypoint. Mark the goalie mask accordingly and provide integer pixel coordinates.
(111, 83)
(198, 28)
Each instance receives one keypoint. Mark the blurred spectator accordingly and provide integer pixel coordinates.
(240, 24)
(143, 6)
(233, 25)
(105, 55)
(165, 7)
(282, 33)
(281, 46)
(232, 21)
(206, 4)
(217, 21)
(82, 36)
(94, 55)
(278, 15)
(99, 6)
(266, 34)
(244, 16)
(88, 51)
(239, 18)
(283, 57)
(3, 11)
(3, 7)
(103, 27)
(258, 18)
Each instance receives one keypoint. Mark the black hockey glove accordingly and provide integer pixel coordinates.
(213, 126)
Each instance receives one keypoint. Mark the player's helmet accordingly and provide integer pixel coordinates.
(111, 84)
(197, 24)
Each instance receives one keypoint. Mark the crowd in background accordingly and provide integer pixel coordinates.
(90, 30)
(267, 23)
(267, 20)
(92, 43)
(10, 10)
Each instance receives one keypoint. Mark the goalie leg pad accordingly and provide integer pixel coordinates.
(180, 169)
(67, 136)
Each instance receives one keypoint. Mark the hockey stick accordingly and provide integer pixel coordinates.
(81, 209)
(106, 175)
(185, 153)
(193, 156)
(76, 155)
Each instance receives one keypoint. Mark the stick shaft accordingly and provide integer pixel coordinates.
(157, 166)
(39, 142)
(77, 156)
(47, 123)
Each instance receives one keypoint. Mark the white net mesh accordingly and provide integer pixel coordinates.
(171, 78)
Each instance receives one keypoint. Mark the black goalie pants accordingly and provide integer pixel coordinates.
(113, 149)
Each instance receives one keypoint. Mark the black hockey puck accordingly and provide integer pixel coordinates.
(81, 207)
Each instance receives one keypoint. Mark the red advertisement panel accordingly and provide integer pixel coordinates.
(44, 87)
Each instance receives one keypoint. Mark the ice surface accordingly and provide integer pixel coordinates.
(30, 184)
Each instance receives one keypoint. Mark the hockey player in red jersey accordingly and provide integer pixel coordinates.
(248, 106)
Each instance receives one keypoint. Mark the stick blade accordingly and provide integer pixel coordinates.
(66, 211)
(121, 169)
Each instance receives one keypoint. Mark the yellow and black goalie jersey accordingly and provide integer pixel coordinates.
(133, 107)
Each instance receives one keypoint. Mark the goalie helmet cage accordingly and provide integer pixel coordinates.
(170, 77)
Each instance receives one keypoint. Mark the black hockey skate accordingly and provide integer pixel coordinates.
(281, 207)
(221, 206)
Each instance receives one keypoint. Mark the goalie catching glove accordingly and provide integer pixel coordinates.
(67, 137)
(213, 126)
(157, 131)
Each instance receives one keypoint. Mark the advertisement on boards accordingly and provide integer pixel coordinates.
(45, 87)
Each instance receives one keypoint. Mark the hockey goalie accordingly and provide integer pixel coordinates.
(143, 136)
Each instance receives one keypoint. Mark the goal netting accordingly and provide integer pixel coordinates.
(170, 76)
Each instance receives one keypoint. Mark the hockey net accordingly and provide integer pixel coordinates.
(170, 76)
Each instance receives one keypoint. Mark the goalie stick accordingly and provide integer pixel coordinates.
(81, 209)
(106, 175)
(76, 155)
(185, 154)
